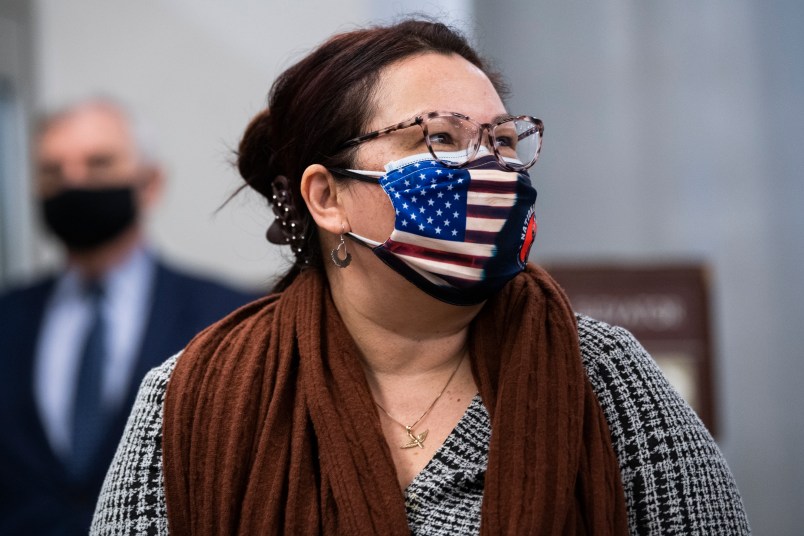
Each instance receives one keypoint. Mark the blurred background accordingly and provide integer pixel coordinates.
(673, 135)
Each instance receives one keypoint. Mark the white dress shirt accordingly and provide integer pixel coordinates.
(125, 304)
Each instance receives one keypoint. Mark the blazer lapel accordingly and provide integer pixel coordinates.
(159, 340)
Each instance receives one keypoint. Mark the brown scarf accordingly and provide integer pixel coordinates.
(270, 426)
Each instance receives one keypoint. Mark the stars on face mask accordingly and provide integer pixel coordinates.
(418, 197)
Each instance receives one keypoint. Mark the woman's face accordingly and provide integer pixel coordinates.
(416, 85)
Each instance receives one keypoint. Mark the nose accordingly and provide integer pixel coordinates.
(486, 137)
(484, 144)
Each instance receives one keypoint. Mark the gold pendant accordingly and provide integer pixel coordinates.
(415, 440)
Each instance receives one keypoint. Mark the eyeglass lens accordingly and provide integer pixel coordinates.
(455, 140)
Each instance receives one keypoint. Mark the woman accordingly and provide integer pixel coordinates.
(411, 373)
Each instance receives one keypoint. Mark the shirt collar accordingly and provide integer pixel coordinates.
(124, 279)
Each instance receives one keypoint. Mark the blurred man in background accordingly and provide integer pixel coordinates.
(74, 348)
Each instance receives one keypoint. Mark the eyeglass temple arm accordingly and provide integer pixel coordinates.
(382, 132)
(354, 175)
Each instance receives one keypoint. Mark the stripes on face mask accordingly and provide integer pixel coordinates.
(459, 234)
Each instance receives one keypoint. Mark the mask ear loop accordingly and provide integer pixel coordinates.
(360, 176)
(347, 259)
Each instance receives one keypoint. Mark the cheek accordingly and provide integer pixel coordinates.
(47, 188)
(370, 212)
(374, 155)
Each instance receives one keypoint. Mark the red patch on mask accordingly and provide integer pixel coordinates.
(530, 235)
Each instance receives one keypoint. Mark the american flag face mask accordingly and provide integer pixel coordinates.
(460, 234)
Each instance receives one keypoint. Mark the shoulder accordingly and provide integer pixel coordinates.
(21, 312)
(133, 496)
(632, 391)
(145, 420)
(676, 480)
(629, 385)
(152, 389)
(147, 412)
(21, 296)
(615, 360)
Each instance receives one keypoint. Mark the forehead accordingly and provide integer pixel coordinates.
(85, 132)
(434, 82)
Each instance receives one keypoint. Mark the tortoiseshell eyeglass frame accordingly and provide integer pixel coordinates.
(421, 120)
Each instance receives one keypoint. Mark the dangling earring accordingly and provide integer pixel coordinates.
(347, 259)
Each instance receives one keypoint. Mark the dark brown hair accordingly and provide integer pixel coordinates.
(317, 104)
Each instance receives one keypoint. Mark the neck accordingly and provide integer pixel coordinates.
(417, 335)
(95, 263)
(414, 351)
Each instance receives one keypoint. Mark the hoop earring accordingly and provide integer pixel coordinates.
(347, 259)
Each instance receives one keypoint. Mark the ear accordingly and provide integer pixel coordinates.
(321, 194)
(150, 190)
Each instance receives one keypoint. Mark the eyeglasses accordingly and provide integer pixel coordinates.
(454, 139)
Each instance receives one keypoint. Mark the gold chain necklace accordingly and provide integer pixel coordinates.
(414, 439)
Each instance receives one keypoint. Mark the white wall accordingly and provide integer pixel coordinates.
(198, 71)
(673, 131)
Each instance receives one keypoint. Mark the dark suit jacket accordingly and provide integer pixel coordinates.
(36, 494)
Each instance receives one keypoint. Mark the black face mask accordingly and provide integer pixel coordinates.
(86, 218)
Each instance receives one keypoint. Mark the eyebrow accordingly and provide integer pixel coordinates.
(48, 166)
(501, 117)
